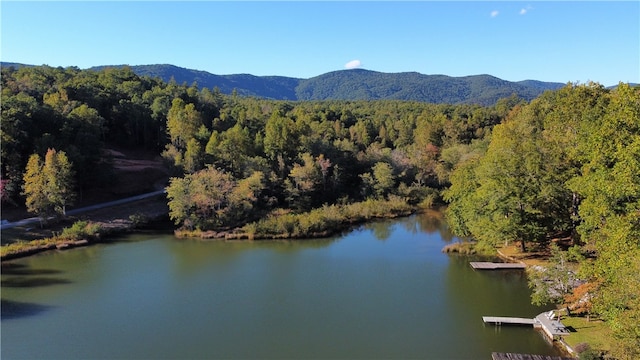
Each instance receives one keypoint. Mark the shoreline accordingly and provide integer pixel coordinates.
(113, 221)
(112, 230)
(122, 219)
(335, 230)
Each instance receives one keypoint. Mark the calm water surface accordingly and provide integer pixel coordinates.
(384, 290)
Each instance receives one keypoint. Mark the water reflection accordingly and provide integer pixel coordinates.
(380, 230)
(431, 221)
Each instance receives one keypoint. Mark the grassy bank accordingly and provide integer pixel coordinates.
(321, 222)
(469, 248)
(79, 234)
(596, 333)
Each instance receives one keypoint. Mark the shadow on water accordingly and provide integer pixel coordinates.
(15, 309)
(30, 282)
(22, 276)
(20, 269)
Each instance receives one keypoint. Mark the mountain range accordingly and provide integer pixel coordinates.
(353, 84)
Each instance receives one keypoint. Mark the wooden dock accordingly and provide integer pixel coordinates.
(486, 265)
(514, 356)
(546, 321)
(551, 326)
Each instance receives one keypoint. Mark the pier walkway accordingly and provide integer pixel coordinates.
(485, 265)
(505, 320)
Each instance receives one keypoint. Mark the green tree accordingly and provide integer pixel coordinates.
(234, 148)
(280, 138)
(245, 195)
(570, 114)
(18, 120)
(462, 212)
(181, 209)
(514, 194)
(383, 177)
(609, 185)
(193, 156)
(303, 182)
(82, 135)
(183, 122)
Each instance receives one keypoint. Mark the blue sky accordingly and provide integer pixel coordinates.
(543, 40)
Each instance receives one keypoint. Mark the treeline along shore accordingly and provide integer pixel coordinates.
(563, 166)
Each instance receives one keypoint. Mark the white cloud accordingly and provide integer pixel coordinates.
(525, 10)
(353, 64)
(494, 13)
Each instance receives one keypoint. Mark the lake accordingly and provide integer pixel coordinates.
(383, 290)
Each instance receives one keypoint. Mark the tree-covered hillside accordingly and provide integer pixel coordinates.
(270, 87)
(360, 84)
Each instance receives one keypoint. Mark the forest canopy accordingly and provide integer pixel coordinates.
(310, 153)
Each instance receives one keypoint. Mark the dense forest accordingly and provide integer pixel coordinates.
(308, 153)
(564, 165)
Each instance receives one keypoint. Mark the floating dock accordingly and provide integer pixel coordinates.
(485, 265)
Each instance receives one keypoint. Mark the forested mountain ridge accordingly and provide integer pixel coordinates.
(358, 84)
(269, 87)
(355, 84)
